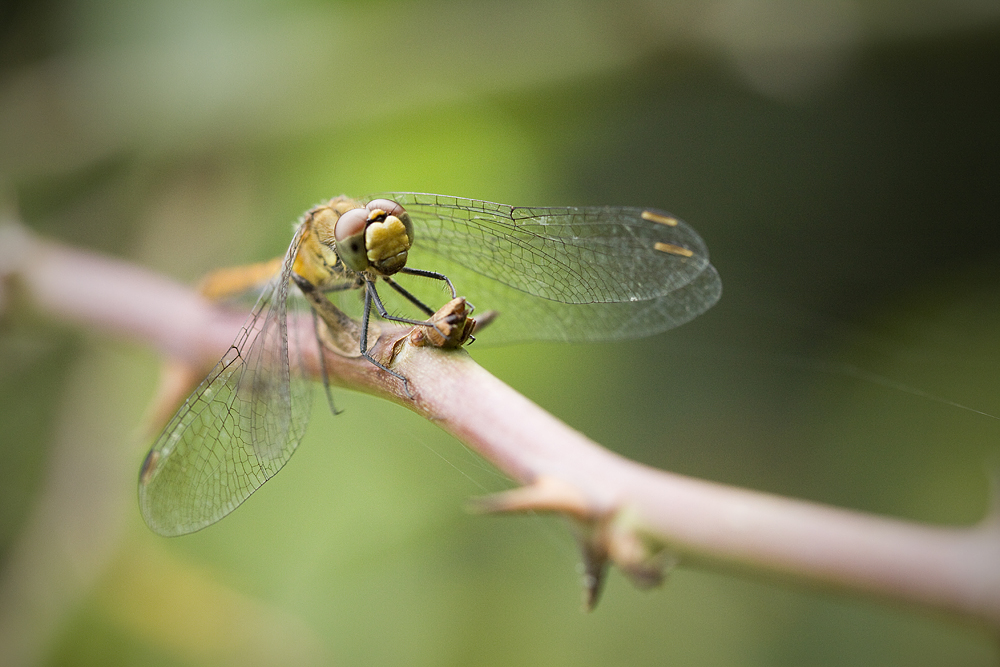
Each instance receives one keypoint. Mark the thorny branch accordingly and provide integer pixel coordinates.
(640, 519)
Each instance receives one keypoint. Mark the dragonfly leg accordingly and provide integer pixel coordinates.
(409, 296)
(425, 274)
(343, 331)
(429, 274)
(322, 364)
(342, 287)
(413, 299)
(370, 296)
(421, 305)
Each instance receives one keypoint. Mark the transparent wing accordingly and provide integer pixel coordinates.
(238, 428)
(570, 274)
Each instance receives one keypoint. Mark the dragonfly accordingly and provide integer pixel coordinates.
(575, 274)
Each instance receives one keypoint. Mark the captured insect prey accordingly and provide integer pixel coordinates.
(558, 274)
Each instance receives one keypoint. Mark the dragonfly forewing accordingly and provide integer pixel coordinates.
(563, 274)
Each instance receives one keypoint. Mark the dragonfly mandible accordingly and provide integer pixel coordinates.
(561, 273)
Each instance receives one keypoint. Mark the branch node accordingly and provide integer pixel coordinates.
(616, 538)
(643, 558)
(604, 537)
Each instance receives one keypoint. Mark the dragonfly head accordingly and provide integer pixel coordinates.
(376, 237)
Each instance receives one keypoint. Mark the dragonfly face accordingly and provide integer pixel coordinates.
(376, 237)
(569, 273)
(370, 239)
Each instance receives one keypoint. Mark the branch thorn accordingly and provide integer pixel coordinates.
(545, 494)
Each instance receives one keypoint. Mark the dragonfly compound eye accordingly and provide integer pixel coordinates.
(350, 237)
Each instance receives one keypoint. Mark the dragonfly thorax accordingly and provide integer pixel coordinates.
(316, 260)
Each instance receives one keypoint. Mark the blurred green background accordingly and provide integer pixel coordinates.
(841, 158)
